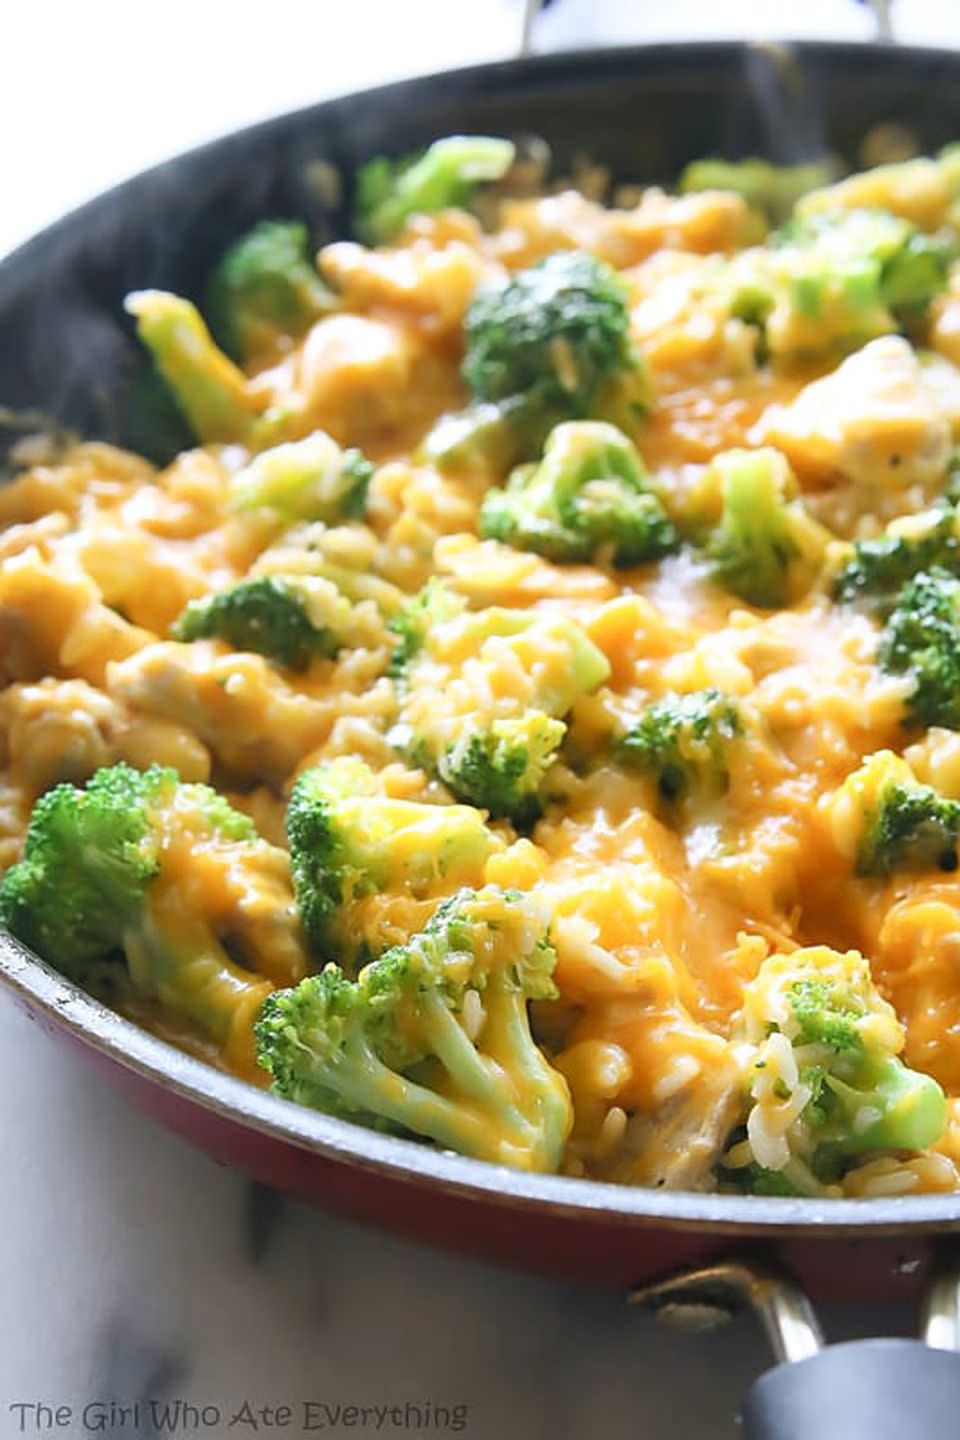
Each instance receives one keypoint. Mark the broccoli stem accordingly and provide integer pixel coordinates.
(507, 1039)
(909, 1107)
(211, 391)
(449, 1042)
(179, 959)
(364, 1083)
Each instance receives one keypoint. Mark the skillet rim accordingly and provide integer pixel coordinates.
(65, 1007)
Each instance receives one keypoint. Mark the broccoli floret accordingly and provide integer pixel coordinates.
(111, 887)
(445, 175)
(683, 741)
(266, 286)
(588, 498)
(481, 694)
(433, 1039)
(502, 768)
(825, 1084)
(348, 842)
(766, 548)
(769, 1182)
(915, 828)
(310, 479)
(559, 329)
(486, 437)
(878, 569)
(877, 258)
(886, 820)
(832, 282)
(921, 639)
(772, 189)
(210, 390)
(413, 622)
(552, 343)
(291, 619)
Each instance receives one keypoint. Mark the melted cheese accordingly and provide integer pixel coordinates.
(659, 921)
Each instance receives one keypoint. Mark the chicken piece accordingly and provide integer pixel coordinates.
(253, 721)
(712, 221)
(433, 284)
(65, 730)
(679, 1146)
(148, 579)
(53, 620)
(682, 324)
(365, 381)
(489, 573)
(873, 424)
(674, 1140)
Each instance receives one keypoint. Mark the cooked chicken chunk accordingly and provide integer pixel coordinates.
(236, 703)
(874, 426)
(65, 730)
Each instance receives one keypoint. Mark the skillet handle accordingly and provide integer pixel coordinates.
(862, 1390)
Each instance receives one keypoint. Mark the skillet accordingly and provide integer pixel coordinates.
(69, 352)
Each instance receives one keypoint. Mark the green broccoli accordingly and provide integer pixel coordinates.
(825, 1084)
(412, 623)
(110, 875)
(831, 282)
(549, 344)
(266, 286)
(877, 258)
(878, 569)
(766, 548)
(888, 821)
(914, 828)
(292, 619)
(482, 697)
(771, 189)
(433, 1039)
(211, 391)
(348, 842)
(683, 741)
(503, 767)
(556, 331)
(588, 498)
(309, 479)
(921, 639)
(485, 437)
(389, 192)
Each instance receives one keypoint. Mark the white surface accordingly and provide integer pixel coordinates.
(130, 1265)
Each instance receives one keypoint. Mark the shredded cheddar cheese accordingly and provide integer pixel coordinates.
(662, 908)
